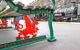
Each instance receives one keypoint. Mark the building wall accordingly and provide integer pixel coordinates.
(59, 3)
(46, 3)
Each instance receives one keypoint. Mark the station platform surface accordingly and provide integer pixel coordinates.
(67, 35)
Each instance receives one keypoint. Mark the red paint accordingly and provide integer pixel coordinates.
(30, 27)
(2, 46)
(4, 23)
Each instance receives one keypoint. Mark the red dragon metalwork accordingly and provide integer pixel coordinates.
(30, 27)
(3, 23)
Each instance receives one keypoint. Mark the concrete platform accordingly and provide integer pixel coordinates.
(67, 35)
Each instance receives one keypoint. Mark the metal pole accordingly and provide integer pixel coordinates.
(52, 37)
(0, 0)
(77, 1)
(54, 4)
(50, 19)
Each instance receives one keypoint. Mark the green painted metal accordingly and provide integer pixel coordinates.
(11, 4)
(52, 37)
(5, 27)
(0, 0)
(7, 17)
(19, 9)
(51, 15)
(19, 43)
(35, 11)
(54, 4)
